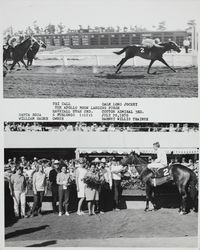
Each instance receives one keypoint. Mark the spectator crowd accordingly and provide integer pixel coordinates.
(99, 182)
(100, 127)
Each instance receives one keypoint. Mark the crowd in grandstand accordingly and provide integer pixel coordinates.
(97, 181)
(100, 127)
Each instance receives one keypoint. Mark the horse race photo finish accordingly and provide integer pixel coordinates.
(92, 48)
(86, 184)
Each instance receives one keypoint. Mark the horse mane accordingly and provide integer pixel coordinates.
(134, 159)
(24, 41)
(140, 160)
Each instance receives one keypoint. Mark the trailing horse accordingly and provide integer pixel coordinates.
(153, 54)
(19, 52)
(184, 178)
(33, 51)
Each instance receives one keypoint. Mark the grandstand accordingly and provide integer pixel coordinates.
(110, 39)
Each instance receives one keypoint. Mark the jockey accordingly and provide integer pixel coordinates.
(15, 40)
(149, 42)
(161, 160)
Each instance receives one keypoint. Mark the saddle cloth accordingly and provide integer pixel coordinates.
(161, 176)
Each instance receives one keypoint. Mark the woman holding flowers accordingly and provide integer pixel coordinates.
(93, 182)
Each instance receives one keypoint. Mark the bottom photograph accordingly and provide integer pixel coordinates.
(101, 189)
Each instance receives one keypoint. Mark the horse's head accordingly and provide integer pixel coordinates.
(42, 44)
(33, 40)
(173, 46)
(133, 158)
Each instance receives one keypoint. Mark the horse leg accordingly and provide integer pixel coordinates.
(194, 195)
(119, 65)
(148, 71)
(148, 197)
(184, 196)
(26, 66)
(163, 61)
(13, 65)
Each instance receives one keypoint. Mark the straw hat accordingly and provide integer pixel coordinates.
(103, 160)
(56, 162)
(96, 160)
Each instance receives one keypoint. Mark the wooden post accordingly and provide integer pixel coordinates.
(95, 67)
(65, 62)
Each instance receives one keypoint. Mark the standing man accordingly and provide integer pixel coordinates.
(39, 190)
(63, 190)
(116, 170)
(186, 44)
(161, 160)
(18, 191)
(54, 186)
(105, 195)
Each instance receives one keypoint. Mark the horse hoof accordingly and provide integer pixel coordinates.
(154, 73)
(146, 209)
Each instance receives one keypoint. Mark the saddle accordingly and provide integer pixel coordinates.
(160, 176)
(146, 50)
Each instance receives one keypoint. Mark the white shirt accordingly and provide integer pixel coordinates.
(108, 176)
(116, 176)
(186, 43)
(161, 157)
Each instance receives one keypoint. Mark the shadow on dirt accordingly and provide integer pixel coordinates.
(18, 233)
(44, 244)
(115, 76)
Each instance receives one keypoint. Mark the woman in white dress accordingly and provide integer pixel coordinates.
(80, 174)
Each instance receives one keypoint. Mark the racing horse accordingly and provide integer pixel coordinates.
(184, 178)
(20, 50)
(7, 55)
(153, 54)
(33, 51)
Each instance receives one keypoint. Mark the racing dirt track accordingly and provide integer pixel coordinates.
(162, 228)
(73, 81)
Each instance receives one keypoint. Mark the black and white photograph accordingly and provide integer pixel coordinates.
(100, 49)
(100, 124)
(101, 184)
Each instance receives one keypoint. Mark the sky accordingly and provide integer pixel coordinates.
(71, 13)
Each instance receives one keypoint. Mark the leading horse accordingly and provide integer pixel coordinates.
(184, 178)
(153, 54)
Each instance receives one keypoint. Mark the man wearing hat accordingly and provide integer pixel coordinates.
(53, 183)
(161, 160)
(35, 164)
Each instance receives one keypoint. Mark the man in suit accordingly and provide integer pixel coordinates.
(54, 186)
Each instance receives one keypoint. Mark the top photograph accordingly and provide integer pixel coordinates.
(100, 49)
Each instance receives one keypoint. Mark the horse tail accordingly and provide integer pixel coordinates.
(121, 51)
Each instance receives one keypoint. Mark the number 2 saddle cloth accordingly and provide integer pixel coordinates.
(161, 176)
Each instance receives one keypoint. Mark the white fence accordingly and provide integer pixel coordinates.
(173, 59)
